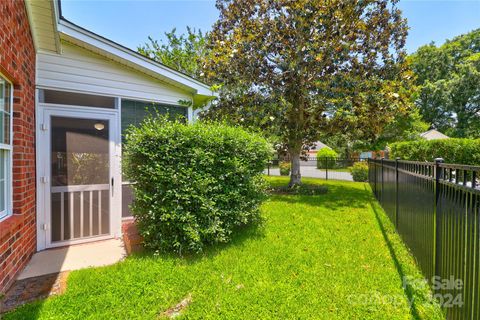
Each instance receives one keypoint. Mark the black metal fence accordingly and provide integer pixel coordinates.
(325, 168)
(436, 209)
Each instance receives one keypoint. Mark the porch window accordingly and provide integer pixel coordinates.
(76, 99)
(6, 96)
(133, 113)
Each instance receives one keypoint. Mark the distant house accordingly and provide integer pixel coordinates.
(433, 135)
(316, 147)
(370, 154)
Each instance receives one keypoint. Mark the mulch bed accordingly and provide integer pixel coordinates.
(32, 289)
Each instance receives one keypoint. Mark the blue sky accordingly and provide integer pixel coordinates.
(131, 22)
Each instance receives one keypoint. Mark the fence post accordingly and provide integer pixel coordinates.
(438, 216)
(369, 164)
(396, 193)
(326, 168)
(382, 178)
(375, 177)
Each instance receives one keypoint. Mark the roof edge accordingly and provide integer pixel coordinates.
(73, 30)
(53, 15)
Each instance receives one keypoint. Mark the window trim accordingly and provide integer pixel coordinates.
(8, 212)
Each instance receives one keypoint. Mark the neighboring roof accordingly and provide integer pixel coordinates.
(82, 37)
(320, 145)
(433, 135)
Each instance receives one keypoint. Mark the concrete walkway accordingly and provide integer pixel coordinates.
(93, 254)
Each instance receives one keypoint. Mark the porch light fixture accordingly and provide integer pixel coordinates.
(99, 126)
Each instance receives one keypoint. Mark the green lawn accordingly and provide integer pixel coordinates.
(316, 257)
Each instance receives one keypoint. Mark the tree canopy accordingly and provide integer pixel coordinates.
(308, 67)
(180, 52)
(448, 77)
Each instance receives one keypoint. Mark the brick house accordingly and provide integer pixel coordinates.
(66, 95)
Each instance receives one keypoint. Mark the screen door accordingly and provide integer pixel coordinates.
(81, 183)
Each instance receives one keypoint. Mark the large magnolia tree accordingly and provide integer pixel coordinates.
(305, 67)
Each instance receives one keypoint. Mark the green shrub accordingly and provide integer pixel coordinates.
(284, 168)
(360, 171)
(326, 157)
(461, 151)
(195, 184)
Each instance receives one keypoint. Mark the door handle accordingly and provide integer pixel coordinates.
(113, 185)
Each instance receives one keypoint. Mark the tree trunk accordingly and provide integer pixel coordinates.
(295, 176)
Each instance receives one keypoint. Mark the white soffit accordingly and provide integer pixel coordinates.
(42, 19)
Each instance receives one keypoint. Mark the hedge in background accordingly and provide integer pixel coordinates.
(460, 151)
(284, 167)
(195, 184)
(326, 157)
(359, 171)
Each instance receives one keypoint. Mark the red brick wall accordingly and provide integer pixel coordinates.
(17, 63)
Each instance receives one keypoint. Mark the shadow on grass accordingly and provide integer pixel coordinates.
(398, 265)
(242, 234)
(338, 197)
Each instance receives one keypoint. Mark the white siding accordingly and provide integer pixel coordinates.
(80, 70)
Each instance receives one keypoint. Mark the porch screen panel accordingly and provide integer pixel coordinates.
(127, 199)
(133, 113)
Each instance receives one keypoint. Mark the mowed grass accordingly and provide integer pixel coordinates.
(331, 256)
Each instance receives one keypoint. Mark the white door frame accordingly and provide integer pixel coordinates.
(44, 113)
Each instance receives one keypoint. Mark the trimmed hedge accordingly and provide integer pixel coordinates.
(359, 171)
(460, 151)
(326, 156)
(195, 184)
(284, 167)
